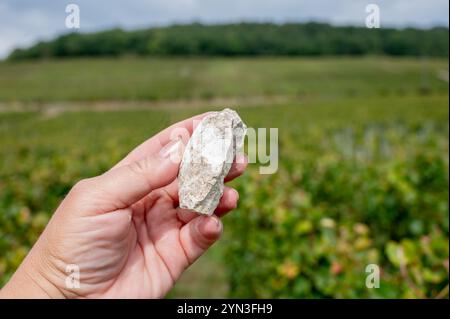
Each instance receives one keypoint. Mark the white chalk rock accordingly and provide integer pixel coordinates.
(207, 159)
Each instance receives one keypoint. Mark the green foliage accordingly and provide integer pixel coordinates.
(362, 179)
(249, 39)
(311, 229)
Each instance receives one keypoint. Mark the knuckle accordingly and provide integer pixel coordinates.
(83, 186)
(141, 169)
(142, 166)
(137, 167)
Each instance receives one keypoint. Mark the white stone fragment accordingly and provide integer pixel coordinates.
(207, 159)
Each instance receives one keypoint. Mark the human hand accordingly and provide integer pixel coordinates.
(123, 230)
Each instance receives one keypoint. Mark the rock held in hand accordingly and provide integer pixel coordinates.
(207, 159)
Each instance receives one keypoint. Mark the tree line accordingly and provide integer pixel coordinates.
(245, 39)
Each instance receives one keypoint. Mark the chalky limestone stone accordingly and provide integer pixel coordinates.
(207, 159)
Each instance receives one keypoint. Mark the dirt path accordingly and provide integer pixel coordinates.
(53, 109)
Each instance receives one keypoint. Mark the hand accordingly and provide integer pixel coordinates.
(123, 230)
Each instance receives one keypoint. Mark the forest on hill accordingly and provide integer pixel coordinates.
(245, 39)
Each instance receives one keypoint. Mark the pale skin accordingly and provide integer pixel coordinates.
(124, 230)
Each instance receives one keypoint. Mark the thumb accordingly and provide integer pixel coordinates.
(125, 185)
(200, 234)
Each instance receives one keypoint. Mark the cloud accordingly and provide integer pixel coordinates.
(27, 21)
(22, 26)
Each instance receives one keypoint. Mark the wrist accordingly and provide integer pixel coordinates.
(30, 281)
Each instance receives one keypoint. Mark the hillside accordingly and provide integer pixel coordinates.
(245, 39)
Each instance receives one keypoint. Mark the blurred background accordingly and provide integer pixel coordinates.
(362, 115)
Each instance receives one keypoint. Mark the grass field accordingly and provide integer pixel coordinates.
(363, 148)
(173, 79)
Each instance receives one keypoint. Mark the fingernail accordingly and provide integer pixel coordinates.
(216, 220)
(208, 225)
(173, 150)
(237, 195)
(241, 158)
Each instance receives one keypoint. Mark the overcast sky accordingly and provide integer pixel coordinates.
(23, 22)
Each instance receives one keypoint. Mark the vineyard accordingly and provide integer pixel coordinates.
(362, 178)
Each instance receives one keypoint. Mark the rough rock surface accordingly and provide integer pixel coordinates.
(207, 159)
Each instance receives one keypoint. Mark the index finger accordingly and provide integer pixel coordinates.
(155, 143)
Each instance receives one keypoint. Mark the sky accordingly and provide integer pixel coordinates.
(24, 22)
